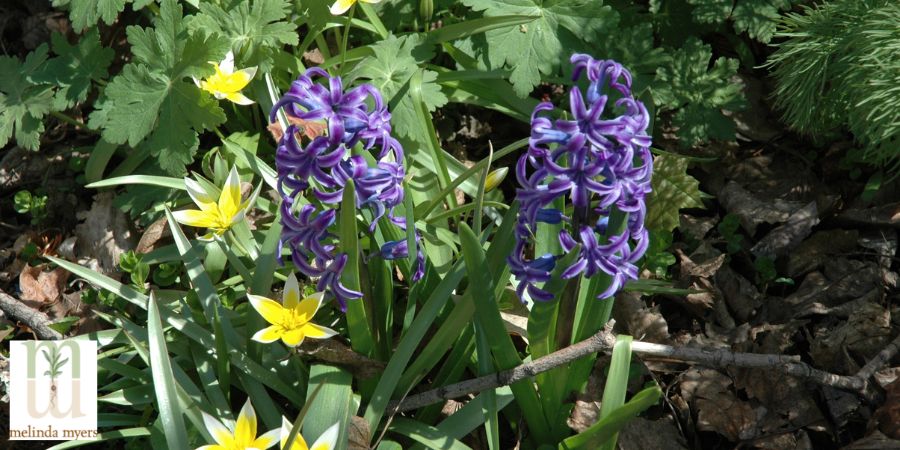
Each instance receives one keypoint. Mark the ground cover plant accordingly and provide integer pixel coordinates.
(479, 224)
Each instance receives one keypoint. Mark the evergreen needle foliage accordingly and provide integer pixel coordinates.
(840, 69)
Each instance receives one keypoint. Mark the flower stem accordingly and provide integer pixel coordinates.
(346, 37)
(66, 119)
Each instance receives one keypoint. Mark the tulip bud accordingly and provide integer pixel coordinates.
(426, 10)
(495, 178)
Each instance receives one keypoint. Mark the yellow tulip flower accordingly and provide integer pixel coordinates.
(290, 321)
(226, 82)
(242, 436)
(327, 441)
(216, 215)
(341, 6)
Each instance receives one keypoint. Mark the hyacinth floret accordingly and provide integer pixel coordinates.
(357, 125)
(599, 159)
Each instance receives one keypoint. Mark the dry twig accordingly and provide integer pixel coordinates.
(603, 342)
(36, 320)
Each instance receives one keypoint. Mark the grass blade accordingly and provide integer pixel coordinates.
(170, 413)
(152, 180)
(607, 427)
(359, 325)
(488, 315)
(616, 383)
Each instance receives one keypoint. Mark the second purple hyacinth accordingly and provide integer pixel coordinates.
(599, 159)
(358, 126)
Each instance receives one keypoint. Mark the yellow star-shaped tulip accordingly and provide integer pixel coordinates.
(290, 321)
(341, 6)
(327, 441)
(242, 436)
(226, 82)
(219, 214)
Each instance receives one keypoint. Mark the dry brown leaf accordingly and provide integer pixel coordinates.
(39, 287)
(739, 293)
(888, 415)
(788, 236)
(788, 403)
(812, 252)
(645, 324)
(105, 233)
(359, 434)
(305, 128)
(642, 434)
(751, 210)
(718, 409)
(874, 441)
(153, 235)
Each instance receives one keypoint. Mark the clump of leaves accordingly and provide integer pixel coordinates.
(838, 69)
(697, 94)
(729, 228)
(133, 264)
(153, 102)
(23, 104)
(755, 17)
(41, 85)
(533, 49)
(673, 189)
(24, 202)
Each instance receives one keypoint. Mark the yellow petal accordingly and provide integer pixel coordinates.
(269, 334)
(341, 6)
(198, 194)
(245, 428)
(240, 99)
(219, 432)
(298, 444)
(266, 440)
(230, 199)
(314, 331)
(293, 338)
(371, 1)
(195, 218)
(291, 296)
(328, 439)
(211, 447)
(307, 308)
(243, 77)
(271, 310)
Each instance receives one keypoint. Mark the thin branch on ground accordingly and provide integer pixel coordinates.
(603, 342)
(36, 320)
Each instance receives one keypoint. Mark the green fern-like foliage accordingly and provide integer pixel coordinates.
(839, 68)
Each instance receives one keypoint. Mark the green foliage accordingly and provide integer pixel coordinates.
(390, 69)
(673, 190)
(254, 29)
(658, 259)
(729, 228)
(539, 47)
(23, 104)
(696, 93)
(133, 264)
(87, 13)
(755, 17)
(842, 57)
(151, 101)
(35, 205)
(75, 69)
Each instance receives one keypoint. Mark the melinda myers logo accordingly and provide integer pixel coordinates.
(53, 390)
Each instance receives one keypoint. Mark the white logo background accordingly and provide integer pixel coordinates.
(73, 414)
